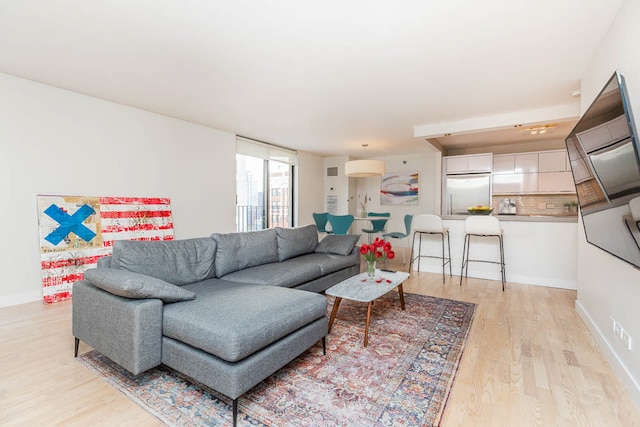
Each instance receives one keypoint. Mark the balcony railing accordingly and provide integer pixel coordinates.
(252, 217)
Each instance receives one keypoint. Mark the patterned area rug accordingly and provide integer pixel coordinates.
(402, 378)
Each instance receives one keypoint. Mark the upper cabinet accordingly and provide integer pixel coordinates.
(473, 163)
(504, 164)
(532, 173)
(526, 163)
(552, 161)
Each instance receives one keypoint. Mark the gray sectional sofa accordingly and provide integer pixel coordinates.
(227, 310)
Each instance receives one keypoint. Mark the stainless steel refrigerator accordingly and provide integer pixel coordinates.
(463, 191)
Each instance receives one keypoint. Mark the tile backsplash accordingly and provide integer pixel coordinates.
(541, 204)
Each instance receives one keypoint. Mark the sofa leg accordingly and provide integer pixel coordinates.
(77, 344)
(235, 412)
(324, 346)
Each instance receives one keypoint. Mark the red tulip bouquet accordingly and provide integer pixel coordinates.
(379, 249)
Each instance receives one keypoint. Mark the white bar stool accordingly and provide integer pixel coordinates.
(430, 224)
(482, 226)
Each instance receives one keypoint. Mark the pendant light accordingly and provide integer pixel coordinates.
(364, 168)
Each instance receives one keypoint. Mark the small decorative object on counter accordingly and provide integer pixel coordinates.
(480, 210)
(379, 249)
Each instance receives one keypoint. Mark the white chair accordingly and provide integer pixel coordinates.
(430, 225)
(482, 226)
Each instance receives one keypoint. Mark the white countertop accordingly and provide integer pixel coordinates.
(522, 218)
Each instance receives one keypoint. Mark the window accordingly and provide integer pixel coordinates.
(264, 185)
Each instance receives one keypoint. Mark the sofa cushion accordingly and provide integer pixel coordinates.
(136, 286)
(296, 241)
(260, 315)
(328, 263)
(287, 274)
(339, 244)
(237, 251)
(175, 261)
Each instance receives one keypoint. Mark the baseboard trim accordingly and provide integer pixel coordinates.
(511, 278)
(23, 298)
(616, 363)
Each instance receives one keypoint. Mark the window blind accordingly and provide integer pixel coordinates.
(251, 147)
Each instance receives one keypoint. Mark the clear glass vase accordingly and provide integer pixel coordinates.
(371, 269)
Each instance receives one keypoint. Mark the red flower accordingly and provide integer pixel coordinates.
(377, 250)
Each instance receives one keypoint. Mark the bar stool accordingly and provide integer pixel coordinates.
(482, 226)
(430, 224)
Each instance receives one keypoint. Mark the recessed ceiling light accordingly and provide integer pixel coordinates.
(540, 130)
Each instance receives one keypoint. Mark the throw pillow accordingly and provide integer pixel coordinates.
(136, 286)
(179, 262)
(237, 251)
(339, 244)
(296, 241)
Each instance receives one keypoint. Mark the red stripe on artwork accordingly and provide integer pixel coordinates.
(118, 228)
(134, 214)
(59, 280)
(71, 262)
(60, 296)
(108, 243)
(134, 200)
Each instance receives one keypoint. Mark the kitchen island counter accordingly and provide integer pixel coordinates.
(538, 250)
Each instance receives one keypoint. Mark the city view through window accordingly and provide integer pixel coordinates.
(263, 193)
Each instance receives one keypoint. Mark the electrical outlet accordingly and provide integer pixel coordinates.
(626, 339)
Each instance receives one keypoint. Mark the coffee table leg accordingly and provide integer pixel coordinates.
(336, 304)
(366, 326)
(401, 295)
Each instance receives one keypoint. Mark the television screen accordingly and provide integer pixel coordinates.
(605, 161)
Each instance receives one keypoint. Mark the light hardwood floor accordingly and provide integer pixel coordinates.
(529, 361)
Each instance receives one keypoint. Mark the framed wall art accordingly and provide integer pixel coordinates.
(400, 188)
(75, 231)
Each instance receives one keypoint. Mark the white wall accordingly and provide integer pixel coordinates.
(310, 186)
(607, 286)
(428, 165)
(58, 142)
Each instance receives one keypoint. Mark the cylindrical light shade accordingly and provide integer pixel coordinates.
(364, 168)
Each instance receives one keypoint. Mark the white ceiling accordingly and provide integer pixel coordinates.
(324, 76)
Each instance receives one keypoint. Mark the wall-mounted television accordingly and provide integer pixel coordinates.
(605, 160)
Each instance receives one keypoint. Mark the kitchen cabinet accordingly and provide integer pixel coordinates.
(533, 173)
(552, 161)
(515, 163)
(515, 183)
(474, 163)
(556, 182)
(526, 163)
(503, 164)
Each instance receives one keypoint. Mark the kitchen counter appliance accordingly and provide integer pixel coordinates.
(507, 206)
